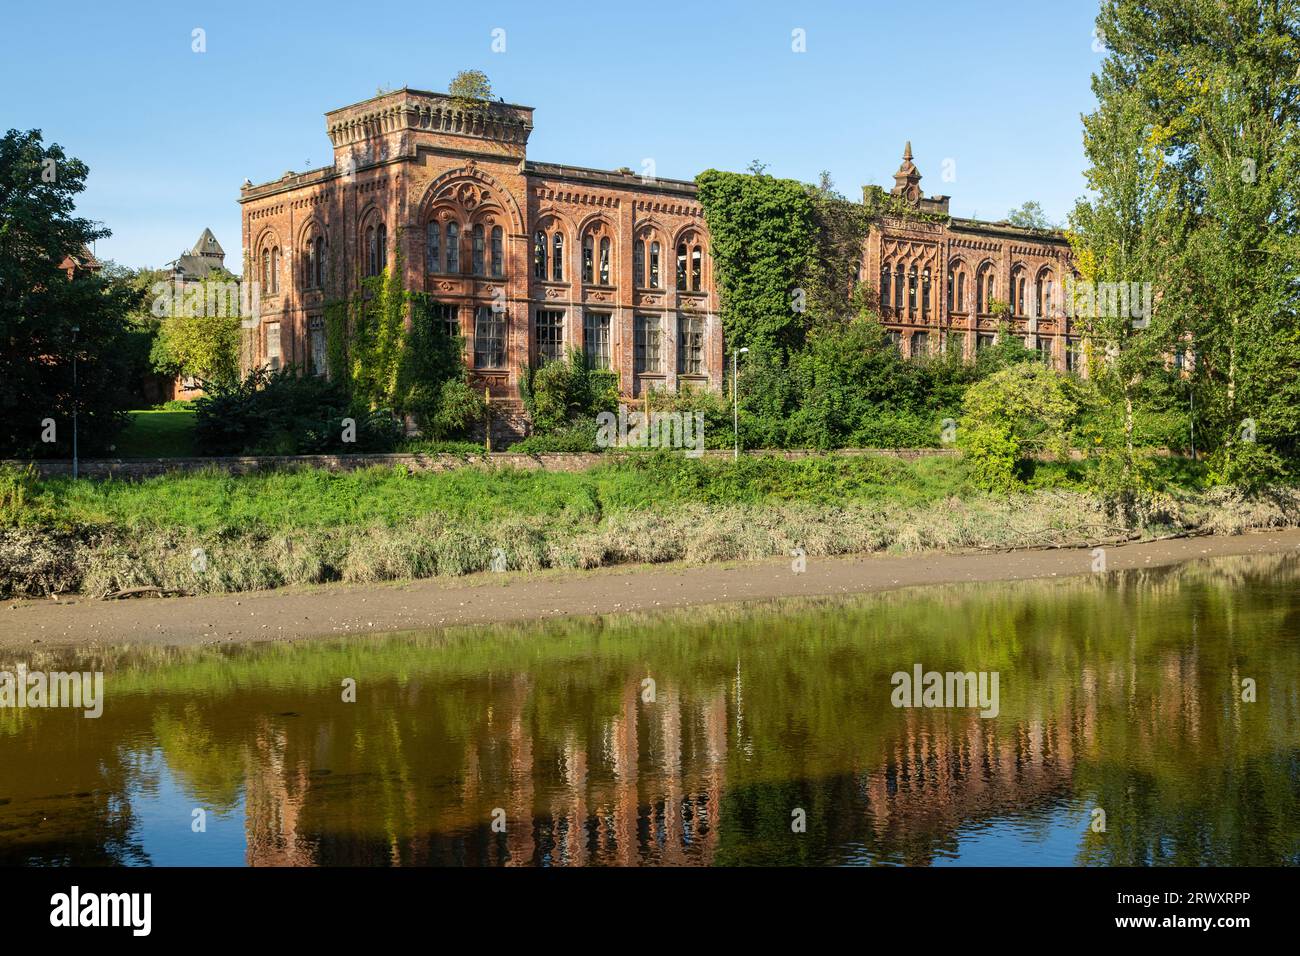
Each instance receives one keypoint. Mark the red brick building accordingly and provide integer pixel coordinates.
(939, 277)
(525, 260)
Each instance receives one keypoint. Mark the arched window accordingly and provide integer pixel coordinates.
(275, 268)
(588, 258)
(654, 265)
(498, 252)
(697, 268)
(925, 292)
(320, 262)
(911, 290)
(604, 260)
(539, 255)
(1018, 282)
(638, 264)
(961, 291)
(1043, 293)
(432, 247)
(900, 282)
(453, 247)
(266, 269)
(984, 289)
(383, 247)
(557, 257)
(372, 252)
(478, 250)
(884, 286)
(309, 265)
(681, 267)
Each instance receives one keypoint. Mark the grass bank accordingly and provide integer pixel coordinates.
(212, 532)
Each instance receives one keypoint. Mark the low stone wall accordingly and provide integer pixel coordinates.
(565, 461)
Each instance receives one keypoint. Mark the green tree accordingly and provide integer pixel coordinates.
(1014, 415)
(1030, 215)
(199, 328)
(471, 90)
(40, 306)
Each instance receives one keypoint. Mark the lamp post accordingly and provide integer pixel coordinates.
(735, 401)
(75, 330)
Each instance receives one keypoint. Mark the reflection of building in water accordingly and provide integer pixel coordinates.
(274, 796)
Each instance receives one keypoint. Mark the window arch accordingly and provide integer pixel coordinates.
(309, 265)
(539, 255)
(1019, 280)
(320, 262)
(900, 281)
(266, 269)
(957, 286)
(885, 275)
(478, 250)
(372, 251)
(925, 291)
(588, 258)
(911, 291)
(557, 257)
(681, 267)
(984, 289)
(275, 268)
(638, 264)
(498, 252)
(697, 268)
(604, 260)
(1043, 293)
(383, 247)
(654, 266)
(432, 246)
(453, 246)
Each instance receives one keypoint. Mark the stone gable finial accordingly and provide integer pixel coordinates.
(907, 181)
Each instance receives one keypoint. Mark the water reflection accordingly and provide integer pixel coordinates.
(1118, 692)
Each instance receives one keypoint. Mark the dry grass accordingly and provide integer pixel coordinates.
(36, 564)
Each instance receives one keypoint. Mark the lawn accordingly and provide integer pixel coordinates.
(157, 434)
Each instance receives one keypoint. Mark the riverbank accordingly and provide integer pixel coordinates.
(334, 610)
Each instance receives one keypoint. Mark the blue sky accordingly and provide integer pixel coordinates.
(996, 87)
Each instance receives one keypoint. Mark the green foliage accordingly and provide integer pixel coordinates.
(198, 330)
(575, 437)
(40, 306)
(564, 392)
(763, 233)
(285, 413)
(1013, 416)
(471, 90)
(1030, 215)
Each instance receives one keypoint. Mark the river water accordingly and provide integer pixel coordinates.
(1148, 718)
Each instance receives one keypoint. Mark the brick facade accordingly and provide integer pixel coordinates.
(411, 161)
(924, 246)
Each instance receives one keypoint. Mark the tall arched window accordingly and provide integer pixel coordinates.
(588, 258)
(681, 266)
(557, 257)
(654, 265)
(309, 265)
(900, 283)
(961, 291)
(884, 286)
(372, 252)
(697, 268)
(1018, 283)
(638, 264)
(275, 268)
(383, 247)
(539, 255)
(266, 269)
(320, 262)
(911, 290)
(1043, 293)
(432, 247)
(925, 292)
(453, 247)
(478, 250)
(604, 260)
(984, 288)
(498, 252)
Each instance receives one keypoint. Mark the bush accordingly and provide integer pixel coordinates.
(561, 393)
(460, 407)
(1013, 416)
(579, 436)
(285, 413)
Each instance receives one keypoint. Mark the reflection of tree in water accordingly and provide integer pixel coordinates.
(1117, 691)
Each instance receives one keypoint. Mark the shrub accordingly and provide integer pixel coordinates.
(1016, 414)
(285, 413)
(563, 392)
(579, 436)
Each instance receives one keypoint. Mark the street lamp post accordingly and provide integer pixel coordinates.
(75, 396)
(735, 401)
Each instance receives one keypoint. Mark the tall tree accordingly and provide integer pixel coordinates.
(1214, 86)
(40, 306)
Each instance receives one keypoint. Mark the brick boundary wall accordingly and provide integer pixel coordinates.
(559, 461)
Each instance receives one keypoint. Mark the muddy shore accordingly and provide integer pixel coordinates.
(333, 610)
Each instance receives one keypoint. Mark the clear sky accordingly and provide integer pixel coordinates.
(996, 87)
